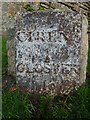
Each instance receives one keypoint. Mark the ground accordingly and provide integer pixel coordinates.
(8, 81)
(21, 105)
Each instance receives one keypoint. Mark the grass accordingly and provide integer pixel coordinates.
(17, 105)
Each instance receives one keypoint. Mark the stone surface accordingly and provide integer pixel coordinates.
(11, 57)
(84, 50)
(9, 9)
(48, 48)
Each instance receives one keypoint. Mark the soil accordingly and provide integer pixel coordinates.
(7, 82)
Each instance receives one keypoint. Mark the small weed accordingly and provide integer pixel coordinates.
(28, 8)
(40, 7)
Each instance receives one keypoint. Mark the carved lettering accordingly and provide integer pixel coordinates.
(52, 36)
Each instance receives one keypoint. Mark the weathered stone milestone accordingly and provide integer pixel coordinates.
(48, 48)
